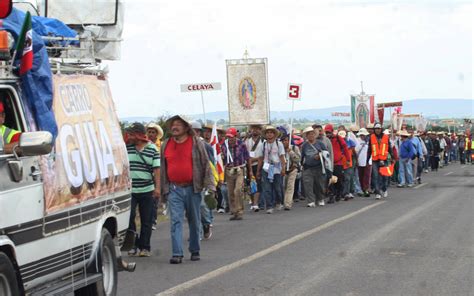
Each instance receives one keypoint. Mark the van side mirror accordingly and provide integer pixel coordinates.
(36, 143)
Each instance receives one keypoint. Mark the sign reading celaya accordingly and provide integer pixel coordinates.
(247, 91)
(207, 86)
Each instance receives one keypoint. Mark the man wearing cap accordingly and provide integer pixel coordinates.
(236, 158)
(380, 150)
(342, 158)
(407, 154)
(271, 168)
(185, 174)
(8, 137)
(145, 174)
(255, 145)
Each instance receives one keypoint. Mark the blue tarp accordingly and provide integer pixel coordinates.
(37, 84)
(52, 27)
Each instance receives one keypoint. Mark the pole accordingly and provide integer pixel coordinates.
(291, 130)
(203, 108)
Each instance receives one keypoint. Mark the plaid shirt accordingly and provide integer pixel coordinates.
(239, 154)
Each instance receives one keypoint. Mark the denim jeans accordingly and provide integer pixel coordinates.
(183, 200)
(406, 171)
(356, 181)
(348, 181)
(272, 192)
(380, 182)
(144, 201)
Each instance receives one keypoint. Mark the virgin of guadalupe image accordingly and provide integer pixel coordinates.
(247, 94)
(362, 115)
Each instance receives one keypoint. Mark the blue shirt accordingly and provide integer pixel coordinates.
(407, 150)
(418, 146)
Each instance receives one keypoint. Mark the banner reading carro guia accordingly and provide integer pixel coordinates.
(90, 158)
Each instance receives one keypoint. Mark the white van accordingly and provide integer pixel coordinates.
(63, 215)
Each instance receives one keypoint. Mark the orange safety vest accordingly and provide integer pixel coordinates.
(379, 150)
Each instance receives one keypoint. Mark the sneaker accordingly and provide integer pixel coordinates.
(385, 194)
(221, 211)
(133, 252)
(256, 209)
(378, 196)
(195, 256)
(366, 194)
(153, 227)
(145, 253)
(176, 260)
(235, 218)
(426, 171)
(410, 185)
(287, 208)
(311, 205)
(270, 211)
(400, 185)
(279, 207)
(351, 196)
(321, 203)
(207, 229)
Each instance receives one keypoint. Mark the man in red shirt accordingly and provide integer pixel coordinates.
(185, 174)
(342, 158)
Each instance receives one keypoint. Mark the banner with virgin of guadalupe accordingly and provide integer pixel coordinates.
(362, 110)
(247, 91)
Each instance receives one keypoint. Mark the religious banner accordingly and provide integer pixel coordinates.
(362, 110)
(247, 91)
(421, 123)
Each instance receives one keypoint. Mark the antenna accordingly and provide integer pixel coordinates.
(246, 54)
(362, 88)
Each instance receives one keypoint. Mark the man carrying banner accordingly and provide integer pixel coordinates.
(381, 152)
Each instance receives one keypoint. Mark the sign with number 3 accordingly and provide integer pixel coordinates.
(294, 91)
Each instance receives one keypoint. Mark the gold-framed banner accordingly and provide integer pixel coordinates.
(247, 91)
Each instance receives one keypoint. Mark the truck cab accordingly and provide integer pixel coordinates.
(64, 197)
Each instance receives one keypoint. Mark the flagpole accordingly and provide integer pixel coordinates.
(203, 108)
(291, 130)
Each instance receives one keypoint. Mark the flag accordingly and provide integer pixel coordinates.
(24, 45)
(217, 153)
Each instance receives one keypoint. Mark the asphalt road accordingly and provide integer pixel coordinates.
(418, 241)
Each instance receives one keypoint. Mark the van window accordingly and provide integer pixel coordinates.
(10, 116)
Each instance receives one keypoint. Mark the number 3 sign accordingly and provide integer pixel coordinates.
(294, 91)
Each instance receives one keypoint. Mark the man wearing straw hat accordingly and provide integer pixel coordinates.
(271, 169)
(364, 163)
(313, 178)
(407, 154)
(185, 174)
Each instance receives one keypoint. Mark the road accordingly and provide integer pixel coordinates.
(418, 241)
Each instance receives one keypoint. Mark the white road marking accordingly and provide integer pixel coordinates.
(421, 185)
(226, 268)
(447, 174)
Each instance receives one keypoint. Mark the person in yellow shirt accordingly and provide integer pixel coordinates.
(9, 137)
(154, 133)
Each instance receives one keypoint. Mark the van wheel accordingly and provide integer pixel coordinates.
(8, 282)
(106, 260)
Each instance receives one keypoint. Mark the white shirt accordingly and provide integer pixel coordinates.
(361, 150)
(271, 155)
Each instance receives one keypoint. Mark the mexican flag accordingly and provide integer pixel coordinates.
(24, 45)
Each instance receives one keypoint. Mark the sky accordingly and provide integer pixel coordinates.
(401, 50)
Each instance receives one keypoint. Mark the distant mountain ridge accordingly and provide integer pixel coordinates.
(430, 108)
